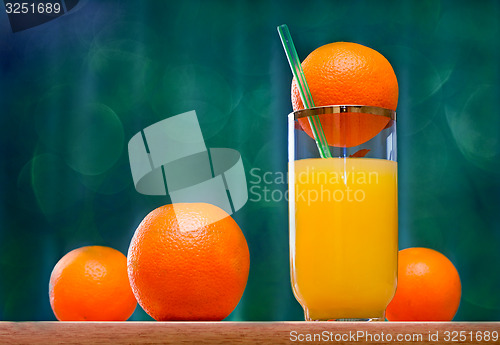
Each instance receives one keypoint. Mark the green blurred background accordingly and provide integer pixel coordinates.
(73, 91)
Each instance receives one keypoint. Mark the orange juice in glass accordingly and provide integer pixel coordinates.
(343, 215)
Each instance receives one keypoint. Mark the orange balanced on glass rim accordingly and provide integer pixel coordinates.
(345, 73)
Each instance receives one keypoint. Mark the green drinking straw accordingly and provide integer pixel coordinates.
(305, 93)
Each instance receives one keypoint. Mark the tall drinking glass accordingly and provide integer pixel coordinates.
(344, 213)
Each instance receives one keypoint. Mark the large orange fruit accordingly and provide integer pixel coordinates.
(428, 289)
(345, 73)
(91, 284)
(188, 262)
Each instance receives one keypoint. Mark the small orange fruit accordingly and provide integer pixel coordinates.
(429, 287)
(345, 73)
(91, 284)
(188, 262)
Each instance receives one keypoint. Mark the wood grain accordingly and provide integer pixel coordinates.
(244, 332)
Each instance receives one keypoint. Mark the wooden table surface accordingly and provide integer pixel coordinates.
(248, 333)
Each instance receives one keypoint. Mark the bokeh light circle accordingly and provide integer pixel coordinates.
(55, 185)
(90, 137)
(194, 87)
(476, 128)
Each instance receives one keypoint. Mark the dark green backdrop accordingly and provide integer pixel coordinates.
(73, 91)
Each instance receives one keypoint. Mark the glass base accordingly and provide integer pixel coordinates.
(373, 319)
(309, 317)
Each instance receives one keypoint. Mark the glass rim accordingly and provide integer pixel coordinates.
(338, 109)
